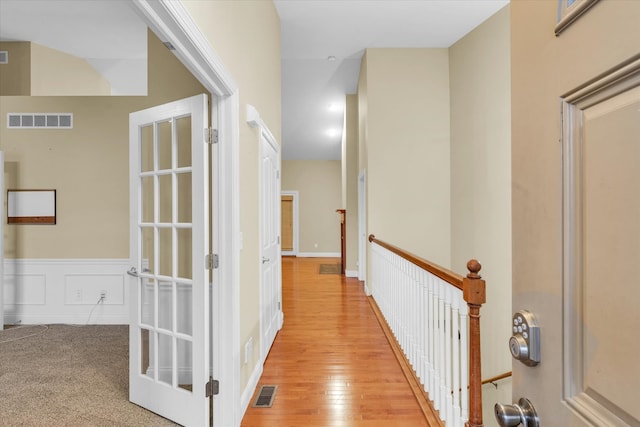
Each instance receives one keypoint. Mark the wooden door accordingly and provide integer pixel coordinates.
(286, 203)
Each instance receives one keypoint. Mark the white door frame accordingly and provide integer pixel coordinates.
(362, 228)
(171, 22)
(293, 194)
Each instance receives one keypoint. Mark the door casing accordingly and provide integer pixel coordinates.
(293, 194)
(171, 22)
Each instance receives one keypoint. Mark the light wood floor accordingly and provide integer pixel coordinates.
(331, 361)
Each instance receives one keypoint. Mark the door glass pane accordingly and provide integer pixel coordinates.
(184, 309)
(165, 193)
(147, 301)
(165, 305)
(165, 358)
(165, 259)
(164, 145)
(145, 353)
(184, 197)
(184, 253)
(147, 198)
(183, 128)
(146, 242)
(185, 370)
(146, 149)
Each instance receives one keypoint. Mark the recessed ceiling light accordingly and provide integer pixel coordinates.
(333, 132)
(333, 107)
(331, 58)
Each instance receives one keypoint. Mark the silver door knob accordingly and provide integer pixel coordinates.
(513, 415)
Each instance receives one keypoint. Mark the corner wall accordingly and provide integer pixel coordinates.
(405, 134)
(481, 184)
(318, 183)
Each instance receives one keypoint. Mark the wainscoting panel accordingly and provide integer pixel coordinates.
(45, 291)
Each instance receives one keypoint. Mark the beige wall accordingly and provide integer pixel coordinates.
(87, 165)
(481, 183)
(406, 137)
(15, 77)
(350, 180)
(55, 73)
(246, 35)
(37, 70)
(543, 68)
(318, 184)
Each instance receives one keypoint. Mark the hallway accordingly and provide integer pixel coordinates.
(331, 361)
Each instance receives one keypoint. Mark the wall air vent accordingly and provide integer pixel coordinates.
(40, 120)
(4, 57)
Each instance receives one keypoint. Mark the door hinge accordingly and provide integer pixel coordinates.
(211, 261)
(212, 388)
(211, 135)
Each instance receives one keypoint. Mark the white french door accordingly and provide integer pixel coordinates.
(169, 202)
(271, 288)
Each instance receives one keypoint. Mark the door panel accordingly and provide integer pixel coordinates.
(271, 289)
(169, 326)
(602, 249)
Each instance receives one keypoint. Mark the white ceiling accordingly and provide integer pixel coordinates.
(313, 30)
(107, 33)
(113, 39)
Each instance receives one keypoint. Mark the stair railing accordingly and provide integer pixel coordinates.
(434, 315)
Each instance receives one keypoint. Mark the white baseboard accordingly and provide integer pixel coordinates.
(247, 394)
(40, 291)
(319, 254)
(351, 273)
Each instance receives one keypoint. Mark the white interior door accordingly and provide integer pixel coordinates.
(169, 322)
(271, 289)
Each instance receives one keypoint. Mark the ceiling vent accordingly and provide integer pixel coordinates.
(4, 57)
(40, 120)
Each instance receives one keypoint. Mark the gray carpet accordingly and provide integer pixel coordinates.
(65, 375)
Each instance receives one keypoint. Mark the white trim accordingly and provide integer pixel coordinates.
(319, 254)
(170, 21)
(251, 387)
(362, 228)
(65, 291)
(296, 222)
(351, 273)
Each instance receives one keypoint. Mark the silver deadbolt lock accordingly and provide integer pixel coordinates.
(522, 412)
(524, 344)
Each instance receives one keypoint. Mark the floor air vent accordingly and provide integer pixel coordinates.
(265, 397)
(40, 120)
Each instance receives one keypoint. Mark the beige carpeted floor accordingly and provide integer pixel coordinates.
(62, 375)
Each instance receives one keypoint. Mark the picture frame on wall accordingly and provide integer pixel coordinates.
(569, 11)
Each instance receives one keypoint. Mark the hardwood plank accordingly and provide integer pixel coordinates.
(331, 361)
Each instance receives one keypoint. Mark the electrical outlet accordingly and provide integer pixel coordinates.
(79, 295)
(103, 295)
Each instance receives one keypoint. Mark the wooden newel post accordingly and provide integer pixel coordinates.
(473, 289)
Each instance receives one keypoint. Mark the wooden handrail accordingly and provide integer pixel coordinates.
(474, 293)
(447, 275)
(497, 378)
